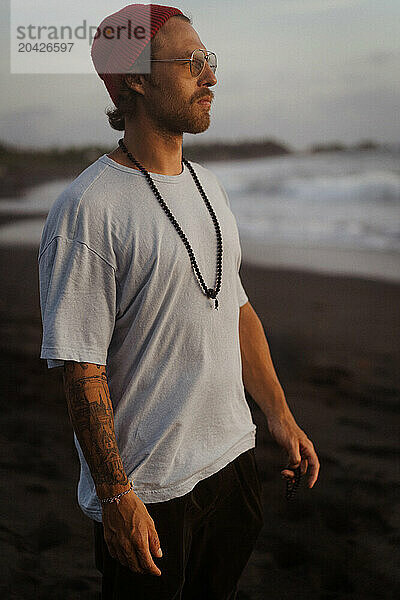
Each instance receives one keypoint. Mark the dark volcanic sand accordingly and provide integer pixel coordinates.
(335, 345)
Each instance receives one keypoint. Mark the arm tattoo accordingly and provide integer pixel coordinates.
(92, 418)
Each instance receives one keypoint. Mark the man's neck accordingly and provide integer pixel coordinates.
(157, 153)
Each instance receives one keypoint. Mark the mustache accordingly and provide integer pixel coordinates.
(205, 97)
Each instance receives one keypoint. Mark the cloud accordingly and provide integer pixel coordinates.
(369, 103)
(304, 6)
(382, 57)
(28, 112)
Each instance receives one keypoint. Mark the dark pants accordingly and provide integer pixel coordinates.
(207, 537)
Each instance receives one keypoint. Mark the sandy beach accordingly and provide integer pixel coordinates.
(335, 344)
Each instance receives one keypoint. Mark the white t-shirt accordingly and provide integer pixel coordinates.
(117, 288)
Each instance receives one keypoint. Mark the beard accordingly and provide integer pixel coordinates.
(174, 114)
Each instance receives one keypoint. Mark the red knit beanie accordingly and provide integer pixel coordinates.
(114, 56)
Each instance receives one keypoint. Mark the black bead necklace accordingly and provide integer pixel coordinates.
(293, 484)
(209, 292)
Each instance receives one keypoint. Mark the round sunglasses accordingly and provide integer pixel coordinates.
(197, 61)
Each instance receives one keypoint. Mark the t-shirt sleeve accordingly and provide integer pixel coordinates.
(241, 292)
(242, 296)
(77, 301)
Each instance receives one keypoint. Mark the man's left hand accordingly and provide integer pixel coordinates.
(298, 446)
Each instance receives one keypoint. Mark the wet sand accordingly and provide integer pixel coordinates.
(335, 345)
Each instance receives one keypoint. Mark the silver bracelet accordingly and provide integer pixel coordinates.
(118, 496)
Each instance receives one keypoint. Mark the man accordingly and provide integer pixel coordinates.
(153, 356)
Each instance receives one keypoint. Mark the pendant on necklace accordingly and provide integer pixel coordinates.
(215, 303)
(211, 295)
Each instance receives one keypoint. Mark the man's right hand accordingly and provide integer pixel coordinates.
(129, 530)
(130, 534)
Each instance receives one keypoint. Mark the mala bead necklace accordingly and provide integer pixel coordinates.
(292, 485)
(209, 292)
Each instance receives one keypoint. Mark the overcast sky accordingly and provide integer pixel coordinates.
(298, 71)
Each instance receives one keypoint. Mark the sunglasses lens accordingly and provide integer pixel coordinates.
(212, 61)
(198, 62)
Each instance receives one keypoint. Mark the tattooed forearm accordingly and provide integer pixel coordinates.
(92, 418)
